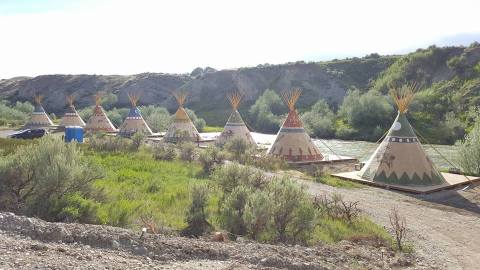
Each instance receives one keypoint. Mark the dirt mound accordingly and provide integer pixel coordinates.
(31, 243)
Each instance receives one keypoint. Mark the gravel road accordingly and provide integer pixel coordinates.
(444, 226)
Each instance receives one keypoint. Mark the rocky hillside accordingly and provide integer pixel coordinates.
(449, 68)
(29, 243)
(206, 87)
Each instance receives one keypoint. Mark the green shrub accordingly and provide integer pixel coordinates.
(137, 140)
(48, 180)
(469, 151)
(258, 214)
(233, 209)
(197, 214)
(164, 151)
(187, 151)
(231, 175)
(106, 143)
(211, 157)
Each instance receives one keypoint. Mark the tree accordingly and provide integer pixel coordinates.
(319, 121)
(157, 118)
(199, 123)
(264, 114)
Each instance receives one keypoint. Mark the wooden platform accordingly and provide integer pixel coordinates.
(453, 180)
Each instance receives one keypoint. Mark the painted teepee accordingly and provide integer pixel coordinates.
(235, 127)
(99, 121)
(400, 159)
(71, 117)
(182, 128)
(134, 121)
(292, 142)
(39, 117)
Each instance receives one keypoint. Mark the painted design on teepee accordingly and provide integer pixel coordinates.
(292, 142)
(71, 117)
(39, 117)
(400, 158)
(134, 121)
(99, 121)
(235, 126)
(182, 128)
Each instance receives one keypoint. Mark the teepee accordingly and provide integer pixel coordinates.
(400, 159)
(39, 117)
(99, 121)
(235, 127)
(71, 117)
(292, 142)
(134, 121)
(182, 128)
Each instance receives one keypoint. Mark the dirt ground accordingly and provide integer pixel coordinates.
(444, 226)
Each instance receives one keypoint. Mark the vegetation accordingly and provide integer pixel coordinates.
(469, 151)
(29, 184)
(336, 182)
(14, 115)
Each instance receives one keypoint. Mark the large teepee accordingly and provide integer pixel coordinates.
(71, 117)
(39, 117)
(400, 159)
(182, 128)
(99, 121)
(292, 142)
(134, 121)
(235, 127)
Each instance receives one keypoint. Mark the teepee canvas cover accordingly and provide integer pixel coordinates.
(99, 121)
(235, 127)
(182, 128)
(134, 121)
(71, 117)
(39, 117)
(292, 142)
(400, 159)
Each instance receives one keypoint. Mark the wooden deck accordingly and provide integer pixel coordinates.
(453, 180)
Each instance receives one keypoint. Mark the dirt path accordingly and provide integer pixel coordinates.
(445, 226)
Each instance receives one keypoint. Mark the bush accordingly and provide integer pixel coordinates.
(210, 157)
(292, 211)
(268, 162)
(239, 150)
(233, 209)
(137, 140)
(232, 175)
(164, 151)
(50, 180)
(469, 151)
(264, 114)
(106, 143)
(157, 118)
(258, 214)
(197, 214)
(187, 151)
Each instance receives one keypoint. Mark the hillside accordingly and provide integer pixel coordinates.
(207, 88)
(449, 80)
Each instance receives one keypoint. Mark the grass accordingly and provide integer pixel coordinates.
(333, 230)
(8, 146)
(137, 185)
(212, 129)
(336, 182)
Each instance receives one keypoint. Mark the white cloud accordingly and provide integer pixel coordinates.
(127, 37)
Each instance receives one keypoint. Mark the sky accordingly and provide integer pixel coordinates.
(129, 37)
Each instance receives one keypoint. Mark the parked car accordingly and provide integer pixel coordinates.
(29, 134)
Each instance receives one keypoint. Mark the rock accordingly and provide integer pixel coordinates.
(115, 244)
(38, 247)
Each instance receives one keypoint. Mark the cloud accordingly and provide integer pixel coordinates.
(127, 37)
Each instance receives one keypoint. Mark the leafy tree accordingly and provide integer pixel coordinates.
(109, 101)
(264, 114)
(198, 122)
(320, 120)
(157, 118)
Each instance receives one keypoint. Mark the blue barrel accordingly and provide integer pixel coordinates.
(74, 133)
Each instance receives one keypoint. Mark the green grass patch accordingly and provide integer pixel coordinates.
(212, 129)
(136, 185)
(331, 230)
(8, 146)
(337, 182)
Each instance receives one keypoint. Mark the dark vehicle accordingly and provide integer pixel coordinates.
(29, 134)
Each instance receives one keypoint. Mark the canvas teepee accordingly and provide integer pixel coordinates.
(235, 127)
(182, 128)
(99, 121)
(71, 117)
(134, 121)
(400, 159)
(292, 142)
(39, 117)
